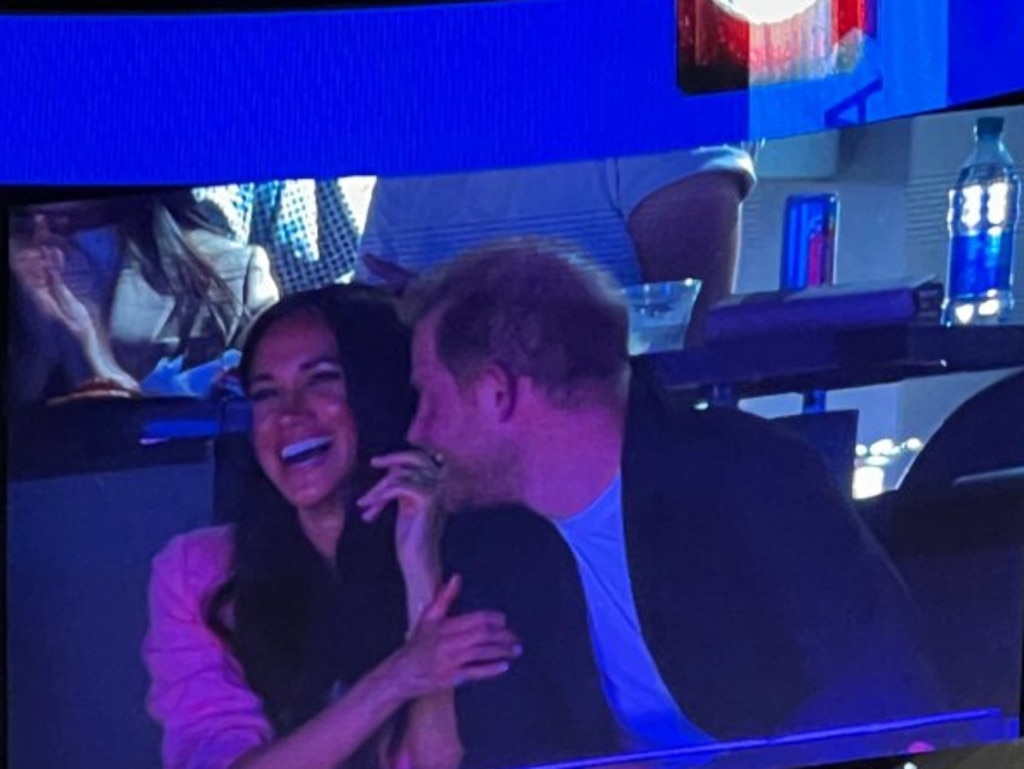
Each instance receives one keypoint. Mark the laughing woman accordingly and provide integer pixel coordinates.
(313, 632)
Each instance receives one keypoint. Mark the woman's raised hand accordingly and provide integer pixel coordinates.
(444, 652)
(40, 270)
(411, 479)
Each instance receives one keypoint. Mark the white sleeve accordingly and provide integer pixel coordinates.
(638, 177)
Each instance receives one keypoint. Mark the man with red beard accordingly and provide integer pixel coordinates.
(676, 577)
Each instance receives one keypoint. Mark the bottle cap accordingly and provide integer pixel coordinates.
(988, 127)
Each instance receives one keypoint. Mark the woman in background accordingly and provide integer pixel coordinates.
(133, 282)
(277, 641)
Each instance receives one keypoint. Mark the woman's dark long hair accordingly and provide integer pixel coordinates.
(296, 628)
(154, 234)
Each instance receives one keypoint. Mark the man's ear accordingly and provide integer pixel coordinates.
(497, 391)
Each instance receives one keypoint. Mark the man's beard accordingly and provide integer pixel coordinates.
(479, 483)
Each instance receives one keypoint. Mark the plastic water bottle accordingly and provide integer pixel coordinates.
(983, 208)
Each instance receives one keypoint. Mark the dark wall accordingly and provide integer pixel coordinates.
(79, 550)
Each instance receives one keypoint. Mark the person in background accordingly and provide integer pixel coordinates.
(312, 631)
(305, 225)
(134, 284)
(676, 576)
(650, 218)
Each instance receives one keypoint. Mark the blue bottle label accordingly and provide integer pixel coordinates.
(980, 262)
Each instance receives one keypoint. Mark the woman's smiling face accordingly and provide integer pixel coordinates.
(303, 431)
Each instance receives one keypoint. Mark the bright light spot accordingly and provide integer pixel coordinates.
(914, 444)
(877, 461)
(862, 450)
(910, 765)
(989, 308)
(964, 313)
(765, 11)
(970, 215)
(998, 203)
(868, 482)
(884, 447)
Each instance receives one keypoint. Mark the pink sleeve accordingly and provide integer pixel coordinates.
(197, 692)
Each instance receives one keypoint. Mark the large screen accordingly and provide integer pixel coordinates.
(491, 385)
(611, 526)
(588, 81)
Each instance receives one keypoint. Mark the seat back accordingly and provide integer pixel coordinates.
(961, 553)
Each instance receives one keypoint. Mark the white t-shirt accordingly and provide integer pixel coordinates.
(418, 222)
(632, 684)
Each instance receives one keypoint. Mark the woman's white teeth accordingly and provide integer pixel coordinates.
(307, 446)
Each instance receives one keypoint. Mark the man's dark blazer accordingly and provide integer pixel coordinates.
(766, 604)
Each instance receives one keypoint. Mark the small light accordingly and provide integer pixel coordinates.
(970, 215)
(876, 461)
(998, 203)
(868, 482)
(862, 450)
(964, 314)
(884, 447)
(914, 444)
(910, 765)
(989, 308)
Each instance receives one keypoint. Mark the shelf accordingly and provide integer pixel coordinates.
(836, 360)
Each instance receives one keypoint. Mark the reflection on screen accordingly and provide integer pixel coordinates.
(722, 601)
